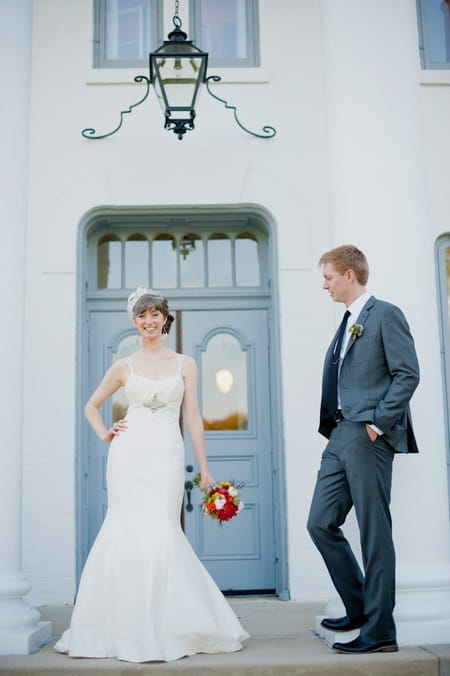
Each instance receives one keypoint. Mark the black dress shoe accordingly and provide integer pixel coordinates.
(343, 623)
(360, 646)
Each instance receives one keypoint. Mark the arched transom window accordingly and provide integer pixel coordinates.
(188, 259)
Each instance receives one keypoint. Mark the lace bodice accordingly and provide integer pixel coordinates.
(154, 397)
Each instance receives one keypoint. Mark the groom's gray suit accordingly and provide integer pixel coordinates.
(378, 375)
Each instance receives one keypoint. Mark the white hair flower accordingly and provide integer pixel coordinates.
(135, 295)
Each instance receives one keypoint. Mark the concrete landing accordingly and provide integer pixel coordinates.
(282, 643)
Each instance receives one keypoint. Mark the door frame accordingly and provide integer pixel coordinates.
(264, 220)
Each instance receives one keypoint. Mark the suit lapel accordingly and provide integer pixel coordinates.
(362, 318)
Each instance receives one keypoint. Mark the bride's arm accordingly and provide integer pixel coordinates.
(194, 422)
(113, 379)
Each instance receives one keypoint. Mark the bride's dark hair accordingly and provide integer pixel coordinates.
(147, 301)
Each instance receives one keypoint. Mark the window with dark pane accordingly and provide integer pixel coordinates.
(192, 261)
(246, 260)
(164, 262)
(136, 261)
(219, 260)
(109, 262)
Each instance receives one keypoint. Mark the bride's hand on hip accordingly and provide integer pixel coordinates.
(116, 429)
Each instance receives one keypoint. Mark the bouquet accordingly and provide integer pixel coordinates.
(222, 500)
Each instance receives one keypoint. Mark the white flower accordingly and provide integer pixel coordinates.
(240, 506)
(219, 502)
(232, 491)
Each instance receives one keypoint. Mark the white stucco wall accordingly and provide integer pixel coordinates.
(217, 164)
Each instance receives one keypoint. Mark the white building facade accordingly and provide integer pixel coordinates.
(230, 227)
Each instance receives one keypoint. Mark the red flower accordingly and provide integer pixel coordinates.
(228, 511)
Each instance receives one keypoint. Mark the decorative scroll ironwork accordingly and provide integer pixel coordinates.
(89, 132)
(180, 127)
(269, 132)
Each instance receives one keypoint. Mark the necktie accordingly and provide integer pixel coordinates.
(331, 397)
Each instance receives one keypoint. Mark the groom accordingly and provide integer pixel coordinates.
(370, 374)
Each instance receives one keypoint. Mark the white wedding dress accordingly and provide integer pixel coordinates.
(144, 595)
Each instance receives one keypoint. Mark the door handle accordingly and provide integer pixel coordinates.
(188, 485)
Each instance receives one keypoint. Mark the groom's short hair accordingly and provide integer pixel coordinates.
(348, 257)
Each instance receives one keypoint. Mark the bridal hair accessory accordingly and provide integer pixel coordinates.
(134, 297)
(222, 500)
(356, 331)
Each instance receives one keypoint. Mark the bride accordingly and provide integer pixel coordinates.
(144, 595)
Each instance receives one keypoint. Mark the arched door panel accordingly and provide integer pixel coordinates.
(231, 349)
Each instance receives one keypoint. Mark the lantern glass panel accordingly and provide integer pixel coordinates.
(177, 70)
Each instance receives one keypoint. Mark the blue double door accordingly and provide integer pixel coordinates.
(232, 352)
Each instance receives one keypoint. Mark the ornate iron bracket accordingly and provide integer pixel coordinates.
(269, 132)
(89, 132)
(179, 126)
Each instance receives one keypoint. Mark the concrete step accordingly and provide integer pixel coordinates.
(283, 642)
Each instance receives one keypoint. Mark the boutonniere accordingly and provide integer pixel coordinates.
(356, 331)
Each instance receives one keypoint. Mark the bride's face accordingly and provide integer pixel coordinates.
(150, 323)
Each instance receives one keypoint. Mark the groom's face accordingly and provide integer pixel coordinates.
(337, 284)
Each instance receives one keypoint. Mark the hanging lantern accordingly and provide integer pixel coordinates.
(177, 69)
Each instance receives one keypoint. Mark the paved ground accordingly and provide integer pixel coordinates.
(282, 643)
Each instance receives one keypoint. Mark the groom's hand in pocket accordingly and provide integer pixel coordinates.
(371, 432)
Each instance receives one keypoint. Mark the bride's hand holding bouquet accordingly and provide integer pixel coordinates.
(204, 480)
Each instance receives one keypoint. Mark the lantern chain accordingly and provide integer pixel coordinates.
(176, 18)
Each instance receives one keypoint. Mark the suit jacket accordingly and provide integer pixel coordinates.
(379, 373)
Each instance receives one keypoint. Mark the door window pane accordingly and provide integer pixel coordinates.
(136, 262)
(219, 260)
(164, 262)
(246, 260)
(109, 262)
(224, 384)
(191, 255)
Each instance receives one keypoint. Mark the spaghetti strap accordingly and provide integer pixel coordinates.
(180, 360)
(129, 362)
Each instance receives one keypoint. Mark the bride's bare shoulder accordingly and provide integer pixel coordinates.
(189, 364)
(121, 368)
